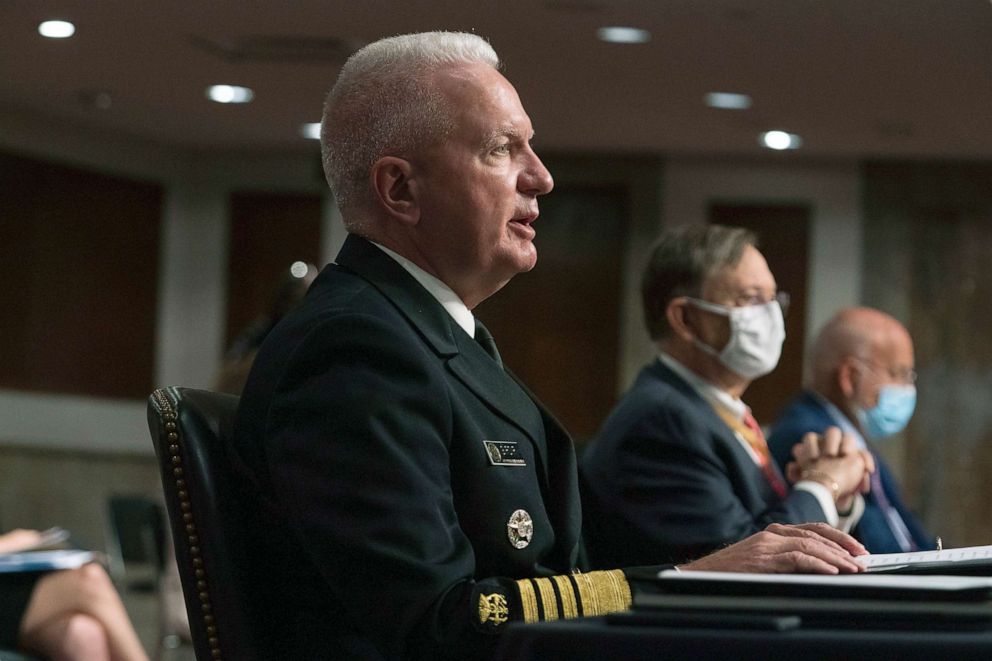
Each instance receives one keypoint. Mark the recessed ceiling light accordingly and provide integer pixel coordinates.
(780, 140)
(729, 100)
(311, 131)
(56, 29)
(299, 269)
(229, 94)
(623, 35)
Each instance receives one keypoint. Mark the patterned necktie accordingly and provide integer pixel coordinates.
(898, 527)
(486, 341)
(758, 443)
(751, 432)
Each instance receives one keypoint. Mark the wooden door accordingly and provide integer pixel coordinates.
(557, 327)
(268, 232)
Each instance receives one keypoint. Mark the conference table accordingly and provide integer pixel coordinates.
(698, 616)
(609, 639)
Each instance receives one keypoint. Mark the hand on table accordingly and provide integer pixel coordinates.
(808, 548)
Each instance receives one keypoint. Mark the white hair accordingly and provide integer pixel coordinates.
(384, 104)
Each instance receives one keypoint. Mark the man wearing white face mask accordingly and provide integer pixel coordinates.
(681, 467)
(862, 380)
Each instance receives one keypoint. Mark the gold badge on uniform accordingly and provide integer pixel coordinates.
(503, 453)
(520, 529)
(493, 608)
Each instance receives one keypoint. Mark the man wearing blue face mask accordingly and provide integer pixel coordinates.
(681, 467)
(862, 380)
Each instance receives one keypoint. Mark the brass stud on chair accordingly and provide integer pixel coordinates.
(169, 417)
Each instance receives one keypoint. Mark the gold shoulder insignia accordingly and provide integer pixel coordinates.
(492, 608)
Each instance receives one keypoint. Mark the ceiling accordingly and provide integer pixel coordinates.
(854, 78)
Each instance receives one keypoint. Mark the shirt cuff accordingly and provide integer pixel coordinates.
(850, 520)
(823, 496)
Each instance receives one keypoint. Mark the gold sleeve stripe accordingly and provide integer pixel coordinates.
(590, 606)
(548, 600)
(603, 592)
(578, 597)
(569, 608)
(621, 589)
(528, 600)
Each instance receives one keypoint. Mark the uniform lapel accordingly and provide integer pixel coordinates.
(466, 360)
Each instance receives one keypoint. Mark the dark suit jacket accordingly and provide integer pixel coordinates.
(666, 480)
(806, 414)
(381, 520)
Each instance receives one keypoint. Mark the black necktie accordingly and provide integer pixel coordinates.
(486, 341)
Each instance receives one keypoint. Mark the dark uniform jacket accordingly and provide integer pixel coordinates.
(407, 488)
(667, 481)
(806, 414)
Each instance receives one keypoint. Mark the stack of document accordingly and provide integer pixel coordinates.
(974, 560)
(875, 599)
(857, 586)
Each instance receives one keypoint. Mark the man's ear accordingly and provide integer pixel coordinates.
(392, 182)
(847, 378)
(676, 312)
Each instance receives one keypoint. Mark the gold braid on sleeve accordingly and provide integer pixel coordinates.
(592, 593)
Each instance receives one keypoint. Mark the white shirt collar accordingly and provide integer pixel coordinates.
(704, 388)
(445, 296)
(841, 420)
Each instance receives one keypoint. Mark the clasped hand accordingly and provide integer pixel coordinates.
(833, 456)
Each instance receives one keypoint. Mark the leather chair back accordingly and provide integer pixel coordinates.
(191, 430)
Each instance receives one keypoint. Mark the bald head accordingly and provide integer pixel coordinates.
(861, 333)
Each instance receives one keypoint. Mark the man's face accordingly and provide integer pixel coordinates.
(750, 282)
(478, 189)
(890, 362)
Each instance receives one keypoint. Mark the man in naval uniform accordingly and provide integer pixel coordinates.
(412, 497)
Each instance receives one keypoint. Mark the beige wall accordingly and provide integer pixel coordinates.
(40, 488)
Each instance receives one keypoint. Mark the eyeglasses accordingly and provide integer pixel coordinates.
(905, 375)
(782, 297)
